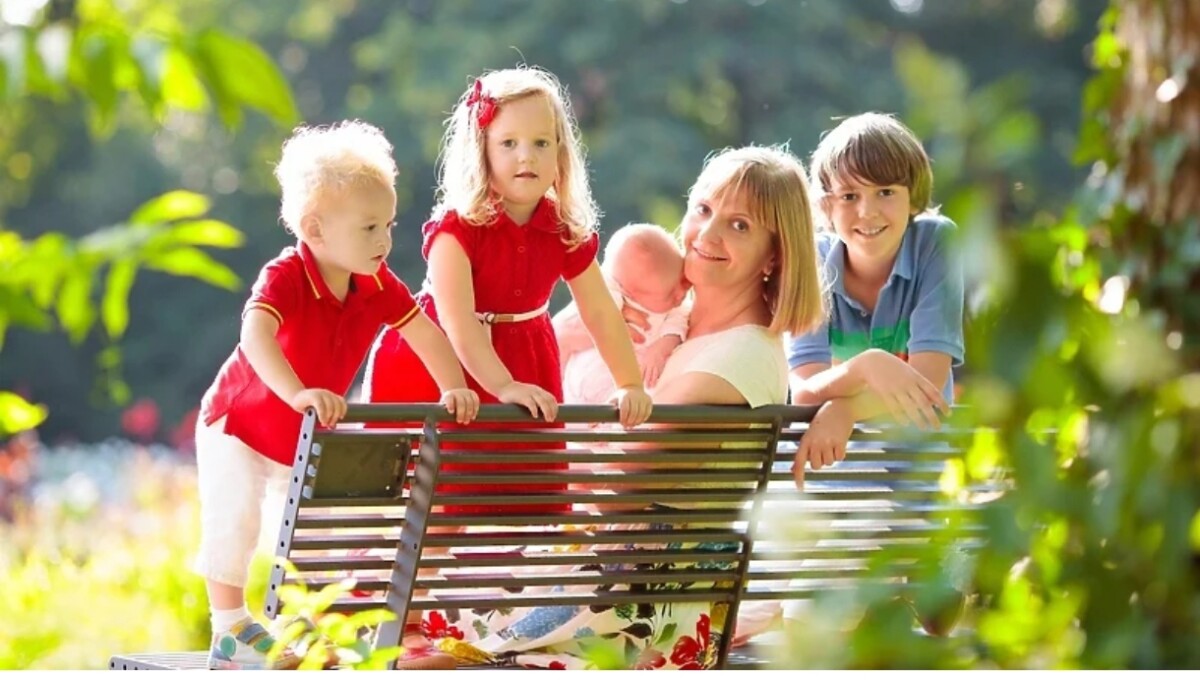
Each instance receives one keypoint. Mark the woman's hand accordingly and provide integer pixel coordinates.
(825, 441)
(330, 407)
(539, 402)
(907, 395)
(463, 403)
(634, 405)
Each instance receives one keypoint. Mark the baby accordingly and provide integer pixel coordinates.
(644, 270)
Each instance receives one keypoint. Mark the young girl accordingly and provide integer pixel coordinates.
(515, 215)
(310, 319)
(895, 327)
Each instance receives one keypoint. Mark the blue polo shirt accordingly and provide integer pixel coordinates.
(920, 308)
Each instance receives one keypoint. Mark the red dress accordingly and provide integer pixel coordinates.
(514, 270)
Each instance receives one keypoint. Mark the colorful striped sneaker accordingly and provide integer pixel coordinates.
(245, 647)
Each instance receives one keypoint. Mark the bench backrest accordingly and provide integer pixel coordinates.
(691, 491)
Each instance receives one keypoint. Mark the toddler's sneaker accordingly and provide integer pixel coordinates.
(245, 647)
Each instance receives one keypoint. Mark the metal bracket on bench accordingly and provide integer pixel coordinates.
(412, 537)
(308, 456)
(752, 530)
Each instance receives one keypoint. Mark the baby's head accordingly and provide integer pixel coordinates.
(645, 262)
(339, 197)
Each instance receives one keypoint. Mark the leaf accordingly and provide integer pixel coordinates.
(212, 233)
(94, 61)
(148, 56)
(196, 264)
(240, 73)
(1193, 532)
(173, 205)
(74, 306)
(114, 309)
(18, 415)
(179, 82)
(16, 307)
(370, 618)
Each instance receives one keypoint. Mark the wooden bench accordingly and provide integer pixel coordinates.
(702, 491)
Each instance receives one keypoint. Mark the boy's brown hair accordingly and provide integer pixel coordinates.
(878, 149)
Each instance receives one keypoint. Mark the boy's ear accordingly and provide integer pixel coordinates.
(310, 228)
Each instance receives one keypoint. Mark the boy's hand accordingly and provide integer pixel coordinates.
(825, 441)
(330, 407)
(463, 403)
(634, 405)
(908, 395)
(655, 356)
(532, 397)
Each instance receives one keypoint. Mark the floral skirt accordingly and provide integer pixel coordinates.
(681, 635)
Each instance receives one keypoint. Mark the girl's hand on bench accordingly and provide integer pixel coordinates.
(330, 407)
(539, 402)
(634, 405)
(463, 403)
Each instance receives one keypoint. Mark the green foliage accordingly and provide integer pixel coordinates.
(104, 52)
(18, 415)
(54, 273)
(1093, 411)
(324, 639)
(83, 582)
(97, 55)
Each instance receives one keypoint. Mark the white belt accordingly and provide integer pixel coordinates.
(489, 319)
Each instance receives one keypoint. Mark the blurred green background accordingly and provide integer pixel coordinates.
(992, 87)
(136, 144)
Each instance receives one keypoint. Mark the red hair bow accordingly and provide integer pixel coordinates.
(484, 105)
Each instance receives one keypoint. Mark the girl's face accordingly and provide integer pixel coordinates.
(723, 245)
(522, 154)
(869, 219)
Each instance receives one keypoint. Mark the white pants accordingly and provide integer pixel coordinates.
(234, 480)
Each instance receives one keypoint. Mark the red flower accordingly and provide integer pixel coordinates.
(484, 105)
(436, 627)
(183, 436)
(649, 659)
(141, 420)
(689, 652)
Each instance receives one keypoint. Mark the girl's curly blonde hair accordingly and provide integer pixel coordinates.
(463, 182)
(321, 160)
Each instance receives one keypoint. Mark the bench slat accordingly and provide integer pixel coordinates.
(713, 435)
(693, 457)
(452, 600)
(651, 476)
(517, 580)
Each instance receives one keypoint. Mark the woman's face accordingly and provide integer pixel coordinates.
(723, 245)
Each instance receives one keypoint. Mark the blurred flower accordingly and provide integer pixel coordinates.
(183, 435)
(140, 420)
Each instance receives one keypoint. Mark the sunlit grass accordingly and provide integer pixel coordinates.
(77, 586)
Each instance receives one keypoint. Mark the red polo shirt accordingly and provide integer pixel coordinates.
(323, 339)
